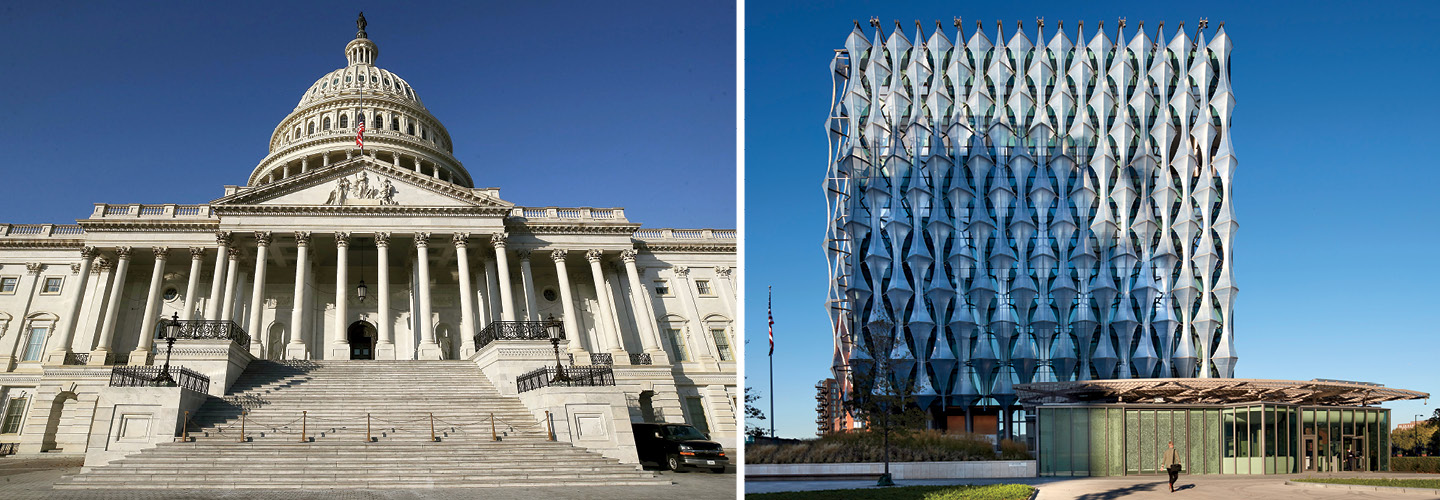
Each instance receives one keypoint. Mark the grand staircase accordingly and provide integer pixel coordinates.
(305, 426)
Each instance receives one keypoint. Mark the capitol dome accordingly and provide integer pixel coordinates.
(399, 130)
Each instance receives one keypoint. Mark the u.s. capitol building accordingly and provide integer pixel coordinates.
(330, 253)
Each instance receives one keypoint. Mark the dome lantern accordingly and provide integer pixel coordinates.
(361, 51)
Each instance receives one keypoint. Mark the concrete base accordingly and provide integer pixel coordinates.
(132, 419)
(296, 350)
(620, 357)
(339, 351)
(594, 418)
(430, 351)
(56, 357)
(100, 357)
(901, 470)
(385, 352)
(140, 357)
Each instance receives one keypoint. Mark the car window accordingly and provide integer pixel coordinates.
(684, 433)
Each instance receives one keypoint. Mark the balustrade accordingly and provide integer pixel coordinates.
(578, 376)
(513, 330)
(146, 376)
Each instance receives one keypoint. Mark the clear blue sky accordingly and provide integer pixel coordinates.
(1335, 191)
(556, 103)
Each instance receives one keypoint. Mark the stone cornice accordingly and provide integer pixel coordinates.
(41, 244)
(696, 247)
(562, 228)
(380, 211)
(101, 226)
(324, 174)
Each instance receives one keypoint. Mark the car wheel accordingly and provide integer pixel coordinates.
(672, 462)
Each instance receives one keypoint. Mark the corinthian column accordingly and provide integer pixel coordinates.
(197, 260)
(385, 348)
(467, 295)
(339, 345)
(428, 348)
(101, 354)
(217, 279)
(141, 354)
(606, 322)
(528, 281)
(257, 296)
(232, 265)
(572, 329)
(502, 265)
(56, 356)
(296, 348)
(648, 336)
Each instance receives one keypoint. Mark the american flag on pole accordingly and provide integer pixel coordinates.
(360, 134)
(770, 312)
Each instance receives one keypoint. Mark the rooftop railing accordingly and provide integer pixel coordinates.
(685, 234)
(40, 230)
(139, 211)
(580, 214)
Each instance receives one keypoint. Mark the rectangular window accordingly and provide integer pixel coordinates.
(662, 288)
(8, 284)
(703, 287)
(677, 344)
(722, 343)
(52, 286)
(14, 413)
(697, 414)
(35, 344)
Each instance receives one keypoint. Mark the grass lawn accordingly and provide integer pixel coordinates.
(1398, 483)
(985, 492)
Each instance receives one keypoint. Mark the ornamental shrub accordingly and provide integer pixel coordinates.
(1428, 465)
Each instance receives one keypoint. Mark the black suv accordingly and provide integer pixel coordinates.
(676, 446)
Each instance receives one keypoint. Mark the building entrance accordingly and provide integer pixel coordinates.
(1310, 457)
(361, 336)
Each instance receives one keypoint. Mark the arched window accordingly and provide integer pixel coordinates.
(377, 122)
(395, 124)
(326, 124)
(312, 128)
(344, 122)
(297, 131)
(410, 128)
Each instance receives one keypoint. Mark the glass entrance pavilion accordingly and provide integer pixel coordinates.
(1220, 426)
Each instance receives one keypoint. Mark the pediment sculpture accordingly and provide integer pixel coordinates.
(361, 192)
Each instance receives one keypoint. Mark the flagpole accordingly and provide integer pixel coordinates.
(768, 300)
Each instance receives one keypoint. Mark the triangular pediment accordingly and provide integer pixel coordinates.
(362, 182)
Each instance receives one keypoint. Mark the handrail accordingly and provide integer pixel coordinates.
(148, 376)
(513, 330)
(577, 376)
(204, 329)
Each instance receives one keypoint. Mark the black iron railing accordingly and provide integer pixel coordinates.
(77, 358)
(207, 330)
(145, 376)
(579, 376)
(602, 358)
(642, 358)
(8, 448)
(513, 330)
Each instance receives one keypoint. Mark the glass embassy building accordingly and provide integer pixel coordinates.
(1219, 426)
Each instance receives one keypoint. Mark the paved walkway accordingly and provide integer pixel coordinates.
(26, 478)
(1217, 487)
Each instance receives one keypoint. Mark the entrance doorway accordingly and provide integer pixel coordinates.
(1310, 456)
(1352, 454)
(361, 336)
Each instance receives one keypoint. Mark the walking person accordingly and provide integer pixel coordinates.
(1171, 463)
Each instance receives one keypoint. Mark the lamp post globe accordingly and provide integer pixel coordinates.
(361, 290)
(556, 332)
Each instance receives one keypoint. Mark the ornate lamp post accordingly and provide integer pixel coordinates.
(172, 330)
(361, 290)
(556, 330)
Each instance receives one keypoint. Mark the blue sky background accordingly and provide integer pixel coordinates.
(557, 103)
(1335, 193)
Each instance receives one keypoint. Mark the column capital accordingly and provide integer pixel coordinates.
(122, 252)
(302, 238)
(524, 254)
(681, 271)
(460, 239)
(262, 238)
(197, 253)
(223, 238)
(498, 239)
(593, 255)
(233, 253)
(88, 252)
(422, 240)
(559, 254)
(382, 239)
(102, 264)
(161, 253)
(342, 239)
(34, 268)
(75, 269)
(723, 271)
(628, 255)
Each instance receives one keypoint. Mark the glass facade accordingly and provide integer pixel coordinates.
(1258, 438)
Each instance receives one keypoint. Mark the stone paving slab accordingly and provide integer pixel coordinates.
(32, 478)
